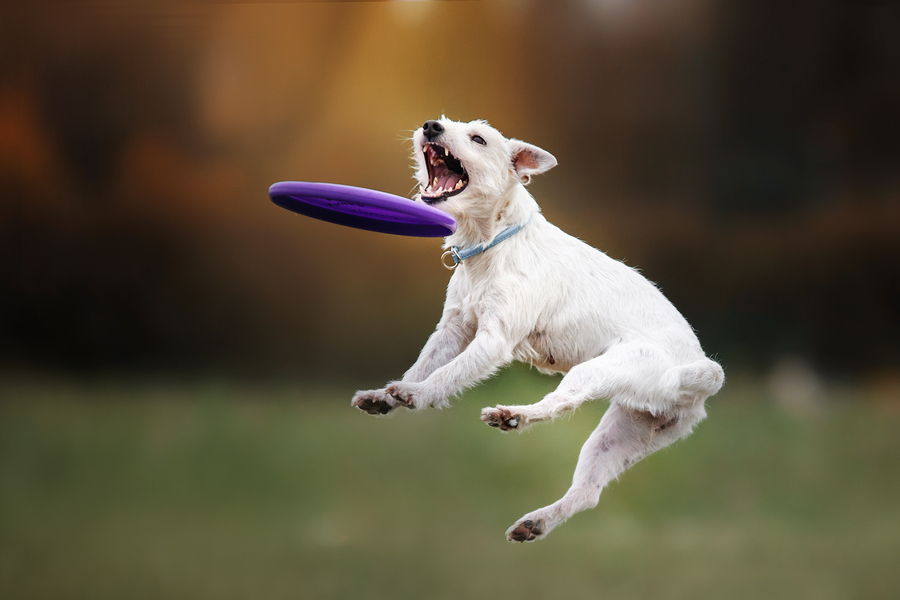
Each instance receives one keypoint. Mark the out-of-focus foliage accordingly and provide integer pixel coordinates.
(743, 154)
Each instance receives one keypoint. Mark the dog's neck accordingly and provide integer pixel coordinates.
(481, 226)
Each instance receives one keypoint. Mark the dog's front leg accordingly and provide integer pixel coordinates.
(451, 335)
(448, 340)
(488, 351)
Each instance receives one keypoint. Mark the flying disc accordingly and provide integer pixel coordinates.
(362, 208)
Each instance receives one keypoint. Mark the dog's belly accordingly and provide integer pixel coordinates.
(539, 351)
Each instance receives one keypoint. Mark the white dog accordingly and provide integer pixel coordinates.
(540, 296)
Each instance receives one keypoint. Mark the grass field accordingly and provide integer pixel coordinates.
(218, 490)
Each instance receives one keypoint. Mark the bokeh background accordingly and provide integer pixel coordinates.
(177, 353)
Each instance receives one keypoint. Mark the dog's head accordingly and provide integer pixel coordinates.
(461, 163)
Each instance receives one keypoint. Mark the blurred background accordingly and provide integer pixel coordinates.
(154, 302)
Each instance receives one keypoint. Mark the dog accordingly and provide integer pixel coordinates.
(523, 290)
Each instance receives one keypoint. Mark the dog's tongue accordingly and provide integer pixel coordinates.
(448, 182)
(444, 181)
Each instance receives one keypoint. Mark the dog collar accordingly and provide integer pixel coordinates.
(460, 255)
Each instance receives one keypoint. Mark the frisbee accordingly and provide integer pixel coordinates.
(362, 208)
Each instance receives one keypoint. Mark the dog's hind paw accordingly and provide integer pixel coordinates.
(374, 402)
(526, 530)
(502, 418)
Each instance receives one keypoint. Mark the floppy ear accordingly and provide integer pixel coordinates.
(528, 160)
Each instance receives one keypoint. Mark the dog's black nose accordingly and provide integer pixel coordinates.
(432, 129)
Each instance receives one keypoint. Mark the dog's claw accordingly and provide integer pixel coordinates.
(526, 531)
(401, 397)
(502, 418)
(407, 402)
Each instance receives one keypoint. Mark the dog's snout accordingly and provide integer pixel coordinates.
(432, 129)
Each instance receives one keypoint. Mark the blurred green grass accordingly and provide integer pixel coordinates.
(223, 490)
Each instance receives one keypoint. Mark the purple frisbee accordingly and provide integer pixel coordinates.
(362, 208)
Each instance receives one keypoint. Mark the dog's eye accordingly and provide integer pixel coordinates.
(479, 140)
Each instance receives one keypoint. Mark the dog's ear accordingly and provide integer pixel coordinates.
(528, 160)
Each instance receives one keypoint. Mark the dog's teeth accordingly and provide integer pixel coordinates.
(434, 183)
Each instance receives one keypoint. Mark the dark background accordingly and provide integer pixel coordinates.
(744, 155)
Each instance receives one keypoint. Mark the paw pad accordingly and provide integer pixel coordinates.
(373, 407)
(501, 418)
(527, 531)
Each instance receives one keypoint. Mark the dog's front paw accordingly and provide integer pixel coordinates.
(527, 530)
(502, 417)
(406, 394)
(374, 402)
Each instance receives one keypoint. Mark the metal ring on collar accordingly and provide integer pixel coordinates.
(453, 253)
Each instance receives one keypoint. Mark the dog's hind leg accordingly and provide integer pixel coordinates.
(623, 373)
(623, 437)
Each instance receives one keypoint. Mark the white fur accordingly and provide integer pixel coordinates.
(547, 299)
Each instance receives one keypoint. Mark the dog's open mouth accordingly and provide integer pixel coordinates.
(446, 175)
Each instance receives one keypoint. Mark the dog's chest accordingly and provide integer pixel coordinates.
(485, 301)
(475, 300)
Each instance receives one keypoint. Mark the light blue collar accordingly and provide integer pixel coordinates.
(460, 255)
